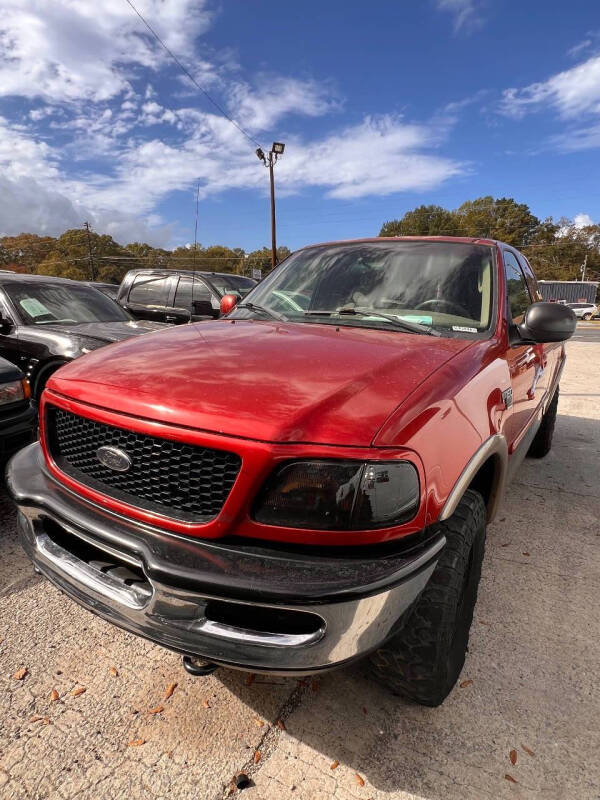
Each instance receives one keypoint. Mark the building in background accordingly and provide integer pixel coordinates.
(569, 291)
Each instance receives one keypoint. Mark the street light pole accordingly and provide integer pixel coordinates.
(273, 223)
(269, 160)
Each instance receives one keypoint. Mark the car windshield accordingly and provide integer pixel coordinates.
(52, 303)
(232, 284)
(443, 286)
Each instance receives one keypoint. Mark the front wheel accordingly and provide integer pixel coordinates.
(424, 660)
(542, 442)
(587, 317)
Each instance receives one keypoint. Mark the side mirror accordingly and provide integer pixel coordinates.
(228, 303)
(547, 322)
(203, 308)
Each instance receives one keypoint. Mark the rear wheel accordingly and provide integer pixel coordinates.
(424, 660)
(542, 443)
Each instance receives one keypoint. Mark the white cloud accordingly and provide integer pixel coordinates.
(262, 107)
(467, 13)
(572, 93)
(88, 147)
(582, 220)
(71, 50)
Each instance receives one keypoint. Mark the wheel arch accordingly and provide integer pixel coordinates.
(486, 474)
(42, 375)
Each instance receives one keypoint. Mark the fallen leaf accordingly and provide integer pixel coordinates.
(505, 544)
(53, 696)
(280, 724)
(45, 720)
(510, 778)
(335, 765)
(20, 673)
(258, 722)
(466, 683)
(256, 756)
(528, 751)
(136, 742)
(526, 554)
(114, 672)
(250, 679)
(35, 719)
(157, 710)
(205, 704)
(78, 691)
(513, 757)
(484, 622)
(170, 689)
(359, 780)
(364, 709)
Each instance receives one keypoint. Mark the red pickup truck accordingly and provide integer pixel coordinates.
(307, 480)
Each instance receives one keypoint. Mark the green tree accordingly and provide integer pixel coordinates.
(423, 221)
(24, 252)
(503, 219)
(261, 259)
(70, 257)
(147, 255)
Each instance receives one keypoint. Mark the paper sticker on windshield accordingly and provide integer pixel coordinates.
(464, 329)
(423, 319)
(33, 307)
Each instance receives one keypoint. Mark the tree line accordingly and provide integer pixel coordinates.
(83, 255)
(557, 249)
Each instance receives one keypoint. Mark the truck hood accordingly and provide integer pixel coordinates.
(263, 380)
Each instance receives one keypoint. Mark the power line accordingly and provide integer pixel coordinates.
(191, 77)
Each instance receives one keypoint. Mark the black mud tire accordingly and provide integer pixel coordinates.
(424, 660)
(542, 442)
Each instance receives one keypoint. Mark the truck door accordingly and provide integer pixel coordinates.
(526, 363)
(149, 296)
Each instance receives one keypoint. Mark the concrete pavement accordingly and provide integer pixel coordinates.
(530, 684)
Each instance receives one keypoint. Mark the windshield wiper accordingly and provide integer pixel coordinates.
(269, 312)
(401, 324)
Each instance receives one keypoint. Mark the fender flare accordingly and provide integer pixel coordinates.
(47, 368)
(494, 446)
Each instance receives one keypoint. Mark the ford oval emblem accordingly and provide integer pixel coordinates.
(113, 458)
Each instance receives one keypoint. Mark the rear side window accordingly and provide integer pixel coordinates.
(150, 290)
(519, 298)
(183, 295)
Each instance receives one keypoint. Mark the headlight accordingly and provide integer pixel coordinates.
(339, 495)
(13, 392)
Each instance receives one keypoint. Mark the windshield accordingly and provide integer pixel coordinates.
(232, 284)
(51, 303)
(445, 286)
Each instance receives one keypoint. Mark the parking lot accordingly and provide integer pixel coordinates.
(99, 713)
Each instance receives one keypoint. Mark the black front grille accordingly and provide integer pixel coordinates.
(180, 480)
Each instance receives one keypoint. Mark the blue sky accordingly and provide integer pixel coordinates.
(383, 106)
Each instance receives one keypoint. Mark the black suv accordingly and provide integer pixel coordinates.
(17, 415)
(45, 322)
(169, 295)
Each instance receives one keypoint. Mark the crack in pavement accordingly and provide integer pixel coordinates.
(269, 741)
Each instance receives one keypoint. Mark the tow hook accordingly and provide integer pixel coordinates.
(198, 666)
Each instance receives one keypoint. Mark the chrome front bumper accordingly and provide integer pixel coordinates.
(245, 605)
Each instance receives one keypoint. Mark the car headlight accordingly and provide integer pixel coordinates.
(13, 392)
(339, 495)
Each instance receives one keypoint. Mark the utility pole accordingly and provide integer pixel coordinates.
(86, 225)
(269, 160)
(196, 224)
(583, 266)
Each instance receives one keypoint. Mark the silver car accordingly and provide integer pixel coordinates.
(584, 310)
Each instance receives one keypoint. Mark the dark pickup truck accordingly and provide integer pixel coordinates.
(307, 480)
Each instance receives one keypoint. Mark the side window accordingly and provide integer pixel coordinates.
(183, 295)
(149, 290)
(519, 298)
(530, 278)
(201, 292)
